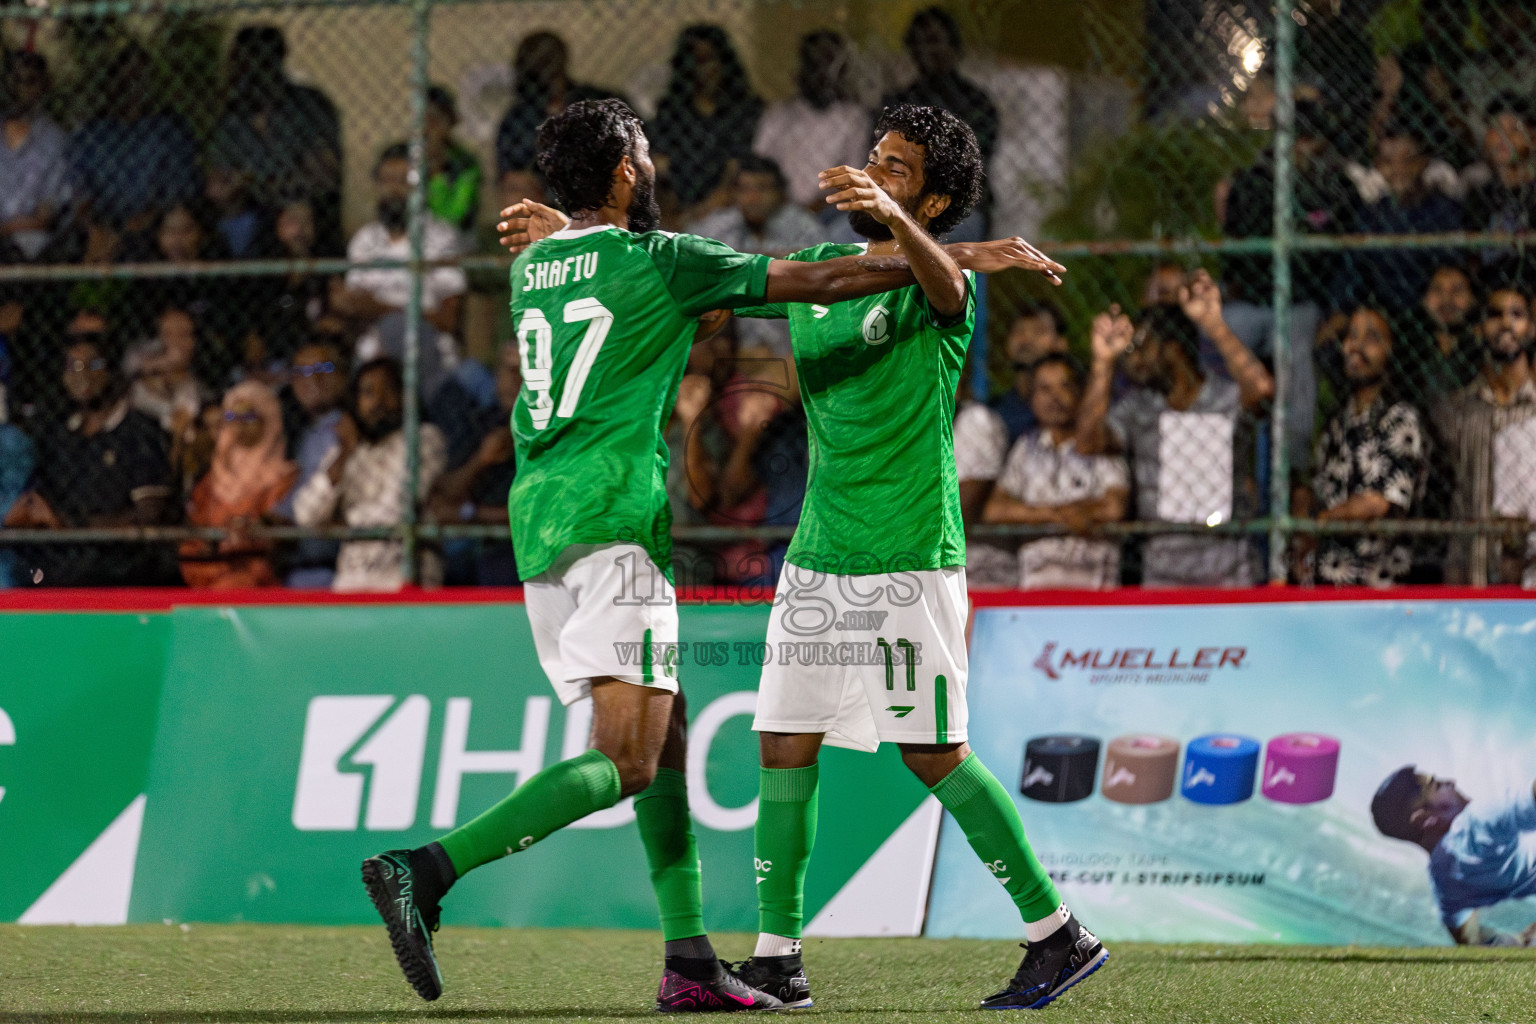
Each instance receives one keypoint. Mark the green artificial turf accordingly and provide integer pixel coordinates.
(178, 974)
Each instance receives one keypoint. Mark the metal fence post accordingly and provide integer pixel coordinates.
(421, 17)
(1285, 137)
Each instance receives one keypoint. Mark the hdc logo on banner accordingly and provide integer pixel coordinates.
(363, 758)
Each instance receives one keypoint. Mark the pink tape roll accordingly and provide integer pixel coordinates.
(1299, 768)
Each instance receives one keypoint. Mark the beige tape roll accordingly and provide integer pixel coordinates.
(1140, 769)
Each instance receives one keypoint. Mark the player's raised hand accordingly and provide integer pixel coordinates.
(526, 222)
(1005, 254)
(853, 189)
(1111, 334)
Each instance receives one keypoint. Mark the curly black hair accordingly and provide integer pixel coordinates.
(951, 158)
(579, 147)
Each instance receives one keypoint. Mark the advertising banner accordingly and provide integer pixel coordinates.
(295, 741)
(78, 698)
(1234, 773)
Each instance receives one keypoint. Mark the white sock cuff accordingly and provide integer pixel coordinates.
(1044, 928)
(769, 944)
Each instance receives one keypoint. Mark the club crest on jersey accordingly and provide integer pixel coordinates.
(877, 326)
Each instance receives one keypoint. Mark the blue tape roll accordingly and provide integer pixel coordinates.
(1220, 769)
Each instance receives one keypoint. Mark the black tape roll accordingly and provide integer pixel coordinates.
(1059, 769)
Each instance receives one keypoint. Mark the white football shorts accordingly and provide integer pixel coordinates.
(603, 610)
(867, 659)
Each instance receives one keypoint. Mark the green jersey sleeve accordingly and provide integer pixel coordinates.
(702, 274)
(766, 311)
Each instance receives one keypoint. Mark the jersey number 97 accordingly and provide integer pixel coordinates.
(535, 344)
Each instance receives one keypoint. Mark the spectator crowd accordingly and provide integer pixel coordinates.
(183, 398)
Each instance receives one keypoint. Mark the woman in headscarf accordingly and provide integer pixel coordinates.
(249, 477)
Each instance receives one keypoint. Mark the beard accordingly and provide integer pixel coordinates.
(374, 431)
(644, 211)
(865, 224)
(1501, 353)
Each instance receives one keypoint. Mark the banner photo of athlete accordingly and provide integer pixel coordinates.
(1336, 772)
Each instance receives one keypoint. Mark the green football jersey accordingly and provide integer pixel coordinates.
(878, 378)
(604, 320)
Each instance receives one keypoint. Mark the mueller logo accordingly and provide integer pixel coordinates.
(1127, 664)
(1043, 663)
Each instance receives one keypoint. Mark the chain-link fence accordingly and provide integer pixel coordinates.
(253, 310)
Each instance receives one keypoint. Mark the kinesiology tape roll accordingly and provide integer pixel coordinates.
(1140, 769)
(1299, 768)
(1220, 769)
(1059, 769)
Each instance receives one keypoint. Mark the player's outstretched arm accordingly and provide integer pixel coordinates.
(847, 277)
(853, 277)
(937, 274)
(1005, 254)
(526, 222)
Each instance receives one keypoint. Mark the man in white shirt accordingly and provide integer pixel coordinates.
(981, 447)
(367, 295)
(821, 127)
(759, 220)
(363, 480)
(1046, 481)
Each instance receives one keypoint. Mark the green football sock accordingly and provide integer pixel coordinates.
(661, 812)
(991, 824)
(782, 842)
(551, 800)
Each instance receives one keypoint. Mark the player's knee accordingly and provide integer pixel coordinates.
(931, 762)
(635, 775)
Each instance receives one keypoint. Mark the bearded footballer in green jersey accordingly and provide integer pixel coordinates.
(605, 311)
(880, 536)
(942, 296)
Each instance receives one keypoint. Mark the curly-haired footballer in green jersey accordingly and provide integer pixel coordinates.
(878, 375)
(605, 311)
